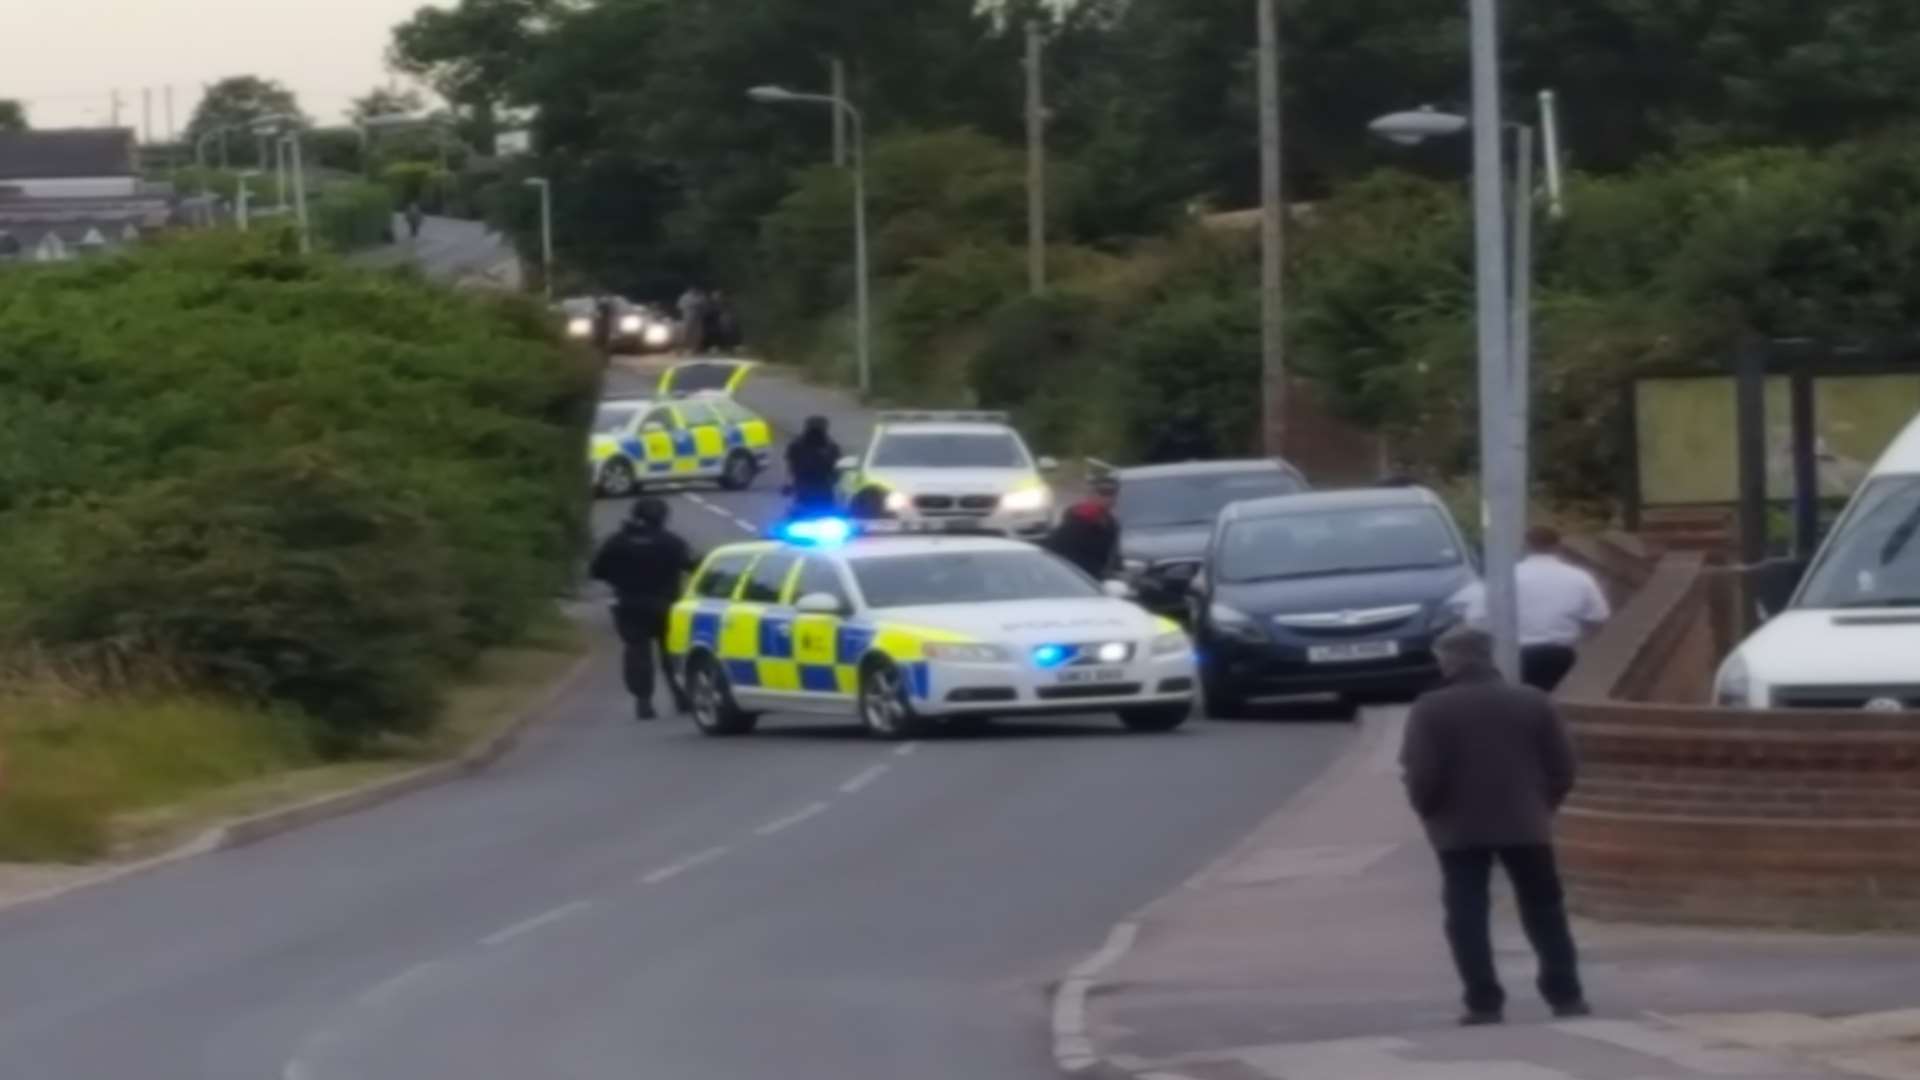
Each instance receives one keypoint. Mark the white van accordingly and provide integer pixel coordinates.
(1850, 637)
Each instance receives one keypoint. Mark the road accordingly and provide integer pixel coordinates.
(619, 900)
(452, 250)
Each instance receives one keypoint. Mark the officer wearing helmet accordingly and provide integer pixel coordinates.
(646, 564)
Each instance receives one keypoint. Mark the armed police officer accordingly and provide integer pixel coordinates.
(646, 563)
(813, 467)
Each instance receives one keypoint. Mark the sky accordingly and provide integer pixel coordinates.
(65, 58)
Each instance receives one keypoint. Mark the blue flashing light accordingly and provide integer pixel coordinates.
(816, 532)
(1050, 656)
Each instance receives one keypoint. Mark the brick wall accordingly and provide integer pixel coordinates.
(1687, 813)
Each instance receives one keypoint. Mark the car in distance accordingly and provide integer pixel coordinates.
(1338, 592)
(962, 467)
(1849, 638)
(1167, 512)
(908, 633)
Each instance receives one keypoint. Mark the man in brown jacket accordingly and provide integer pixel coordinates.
(1487, 764)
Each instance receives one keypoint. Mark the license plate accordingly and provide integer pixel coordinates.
(1353, 652)
(1079, 676)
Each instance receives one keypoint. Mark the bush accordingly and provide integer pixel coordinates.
(352, 216)
(303, 483)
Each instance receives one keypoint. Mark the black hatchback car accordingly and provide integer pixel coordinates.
(1166, 517)
(1336, 592)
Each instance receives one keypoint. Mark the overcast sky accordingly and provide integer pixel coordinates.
(65, 57)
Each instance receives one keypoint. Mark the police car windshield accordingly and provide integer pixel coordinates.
(1194, 499)
(1329, 542)
(949, 450)
(1873, 559)
(612, 418)
(969, 577)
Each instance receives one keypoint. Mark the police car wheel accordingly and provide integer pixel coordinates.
(738, 473)
(884, 707)
(1155, 717)
(617, 478)
(710, 701)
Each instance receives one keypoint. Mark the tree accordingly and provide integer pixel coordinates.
(383, 101)
(232, 107)
(471, 53)
(13, 115)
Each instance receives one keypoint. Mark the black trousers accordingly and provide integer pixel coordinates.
(1544, 666)
(1468, 874)
(643, 632)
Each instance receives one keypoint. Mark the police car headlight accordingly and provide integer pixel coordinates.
(659, 334)
(898, 501)
(579, 328)
(1733, 688)
(1172, 644)
(1027, 500)
(968, 654)
(631, 324)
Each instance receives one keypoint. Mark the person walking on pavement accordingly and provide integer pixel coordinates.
(1088, 535)
(1487, 765)
(813, 468)
(1559, 604)
(645, 562)
(415, 218)
(726, 323)
(693, 320)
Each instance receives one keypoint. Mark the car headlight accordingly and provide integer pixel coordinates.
(659, 333)
(1234, 623)
(968, 653)
(1171, 644)
(1027, 500)
(898, 501)
(579, 328)
(1733, 688)
(631, 324)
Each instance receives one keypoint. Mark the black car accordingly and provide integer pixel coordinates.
(1167, 513)
(1336, 592)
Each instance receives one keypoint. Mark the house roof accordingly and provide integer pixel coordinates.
(66, 153)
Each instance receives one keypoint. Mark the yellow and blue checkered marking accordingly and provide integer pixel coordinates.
(766, 650)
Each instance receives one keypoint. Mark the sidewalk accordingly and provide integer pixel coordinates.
(1313, 952)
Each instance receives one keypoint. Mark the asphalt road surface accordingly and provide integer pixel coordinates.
(619, 900)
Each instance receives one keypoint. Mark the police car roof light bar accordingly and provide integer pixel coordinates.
(953, 416)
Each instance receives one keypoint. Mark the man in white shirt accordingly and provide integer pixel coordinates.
(1559, 605)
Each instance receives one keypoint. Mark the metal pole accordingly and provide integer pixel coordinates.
(173, 133)
(863, 342)
(1550, 132)
(241, 204)
(1520, 326)
(838, 75)
(300, 195)
(1805, 440)
(146, 116)
(1036, 162)
(546, 236)
(280, 171)
(1273, 365)
(1489, 211)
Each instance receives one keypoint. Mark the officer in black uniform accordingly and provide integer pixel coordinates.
(813, 467)
(646, 563)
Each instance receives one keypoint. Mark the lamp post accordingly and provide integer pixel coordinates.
(1505, 330)
(777, 95)
(243, 197)
(546, 231)
(287, 127)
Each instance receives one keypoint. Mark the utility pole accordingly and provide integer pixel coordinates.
(1036, 160)
(146, 115)
(114, 108)
(173, 133)
(1273, 356)
(839, 78)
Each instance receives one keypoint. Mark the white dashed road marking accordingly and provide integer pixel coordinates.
(709, 505)
(905, 749)
(864, 777)
(673, 870)
(527, 926)
(795, 818)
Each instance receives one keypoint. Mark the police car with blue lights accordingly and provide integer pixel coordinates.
(910, 626)
(690, 429)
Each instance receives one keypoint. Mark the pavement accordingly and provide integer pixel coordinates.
(1313, 951)
(618, 900)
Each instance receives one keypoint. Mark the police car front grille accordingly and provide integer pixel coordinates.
(979, 502)
(1090, 690)
(956, 504)
(1845, 697)
(933, 502)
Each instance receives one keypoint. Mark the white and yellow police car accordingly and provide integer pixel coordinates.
(691, 429)
(955, 466)
(912, 630)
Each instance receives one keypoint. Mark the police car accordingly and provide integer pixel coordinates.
(691, 429)
(951, 466)
(916, 629)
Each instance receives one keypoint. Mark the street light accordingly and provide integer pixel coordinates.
(287, 126)
(546, 230)
(780, 95)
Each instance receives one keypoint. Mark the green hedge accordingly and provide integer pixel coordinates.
(284, 477)
(352, 216)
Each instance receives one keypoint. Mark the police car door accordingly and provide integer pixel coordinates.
(829, 676)
(757, 636)
(660, 436)
(708, 440)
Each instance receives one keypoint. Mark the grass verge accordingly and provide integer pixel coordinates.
(85, 778)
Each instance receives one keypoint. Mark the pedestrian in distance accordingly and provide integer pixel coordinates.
(693, 320)
(416, 217)
(1487, 766)
(726, 324)
(813, 468)
(1088, 533)
(646, 564)
(1559, 605)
